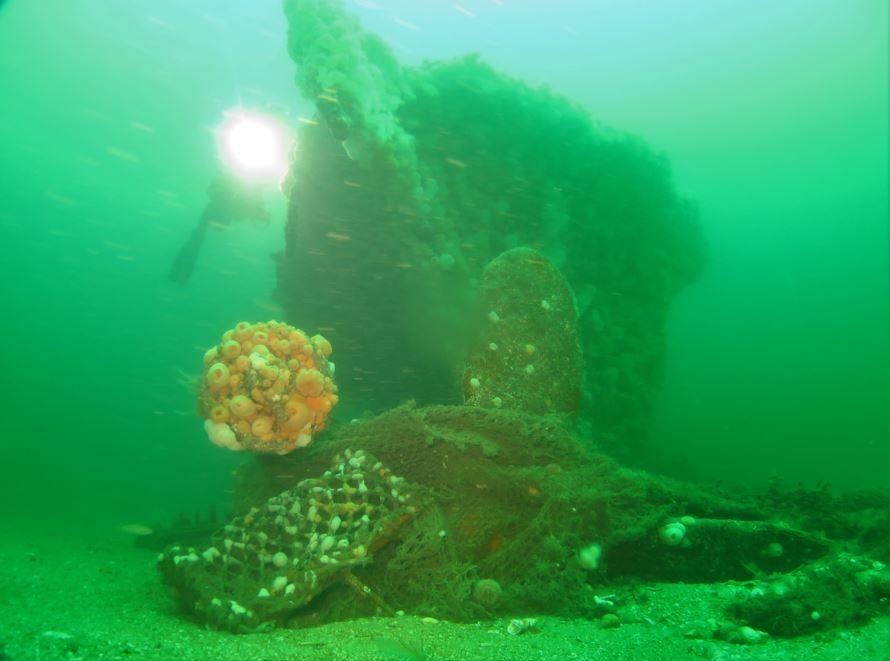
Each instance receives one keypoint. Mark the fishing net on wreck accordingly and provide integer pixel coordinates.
(469, 514)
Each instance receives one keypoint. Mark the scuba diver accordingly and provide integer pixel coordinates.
(228, 200)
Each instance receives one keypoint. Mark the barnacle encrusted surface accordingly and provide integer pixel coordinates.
(528, 354)
(278, 557)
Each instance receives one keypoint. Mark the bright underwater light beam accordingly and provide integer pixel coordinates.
(254, 146)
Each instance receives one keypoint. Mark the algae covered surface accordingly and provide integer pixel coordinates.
(478, 330)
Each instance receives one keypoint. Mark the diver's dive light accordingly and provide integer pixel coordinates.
(254, 146)
(255, 149)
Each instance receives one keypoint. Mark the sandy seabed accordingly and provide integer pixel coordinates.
(92, 595)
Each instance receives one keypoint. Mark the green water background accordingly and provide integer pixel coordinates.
(774, 115)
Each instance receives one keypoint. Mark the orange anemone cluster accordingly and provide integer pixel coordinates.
(267, 387)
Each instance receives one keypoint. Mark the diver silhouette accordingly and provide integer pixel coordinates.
(228, 200)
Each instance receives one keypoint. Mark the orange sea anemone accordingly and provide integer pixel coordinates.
(267, 388)
(310, 383)
(217, 376)
(242, 406)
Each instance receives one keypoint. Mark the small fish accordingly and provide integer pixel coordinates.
(122, 155)
(61, 199)
(404, 23)
(137, 529)
(163, 24)
(117, 246)
(139, 126)
(269, 306)
(463, 10)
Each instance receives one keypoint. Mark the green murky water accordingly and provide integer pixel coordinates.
(736, 263)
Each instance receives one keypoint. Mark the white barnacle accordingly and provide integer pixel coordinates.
(672, 534)
(210, 554)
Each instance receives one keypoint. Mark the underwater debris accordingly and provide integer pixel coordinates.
(705, 550)
(728, 632)
(509, 499)
(838, 591)
(275, 559)
(861, 519)
(268, 387)
(398, 649)
(520, 626)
